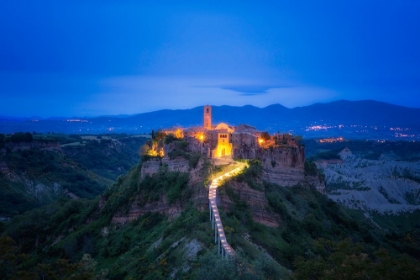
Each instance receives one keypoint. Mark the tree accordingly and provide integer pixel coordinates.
(2, 140)
(159, 135)
(265, 135)
(19, 137)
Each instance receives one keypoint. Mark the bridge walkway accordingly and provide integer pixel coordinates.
(223, 247)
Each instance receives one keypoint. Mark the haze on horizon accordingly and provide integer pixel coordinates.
(88, 58)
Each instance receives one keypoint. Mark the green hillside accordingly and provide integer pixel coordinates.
(38, 169)
(40, 177)
(316, 238)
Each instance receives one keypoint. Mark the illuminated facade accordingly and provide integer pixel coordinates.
(224, 145)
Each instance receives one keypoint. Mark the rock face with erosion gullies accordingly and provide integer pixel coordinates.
(283, 166)
(385, 185)
(161, 205)
(316, 182)
(256, 201)
(135, 211)
(178, 164)
(35, 190)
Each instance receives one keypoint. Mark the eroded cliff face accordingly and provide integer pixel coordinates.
(256, 201)
(317, 183)
(283, 166)
(199, 194)
(179, 164)
(35, 190)
(385, 185)
(135, 211)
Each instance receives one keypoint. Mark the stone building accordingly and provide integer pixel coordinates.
(222, 140)
(281, 156)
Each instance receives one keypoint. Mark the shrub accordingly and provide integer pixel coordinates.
(310, 168)
(194, 159)
(170, 138)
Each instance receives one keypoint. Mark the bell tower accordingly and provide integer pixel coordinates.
(207, 117)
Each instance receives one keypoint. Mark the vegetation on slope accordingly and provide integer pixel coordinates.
(109, 156)
(316, 239)
(40, 177)
(84, 167)
(314, 233)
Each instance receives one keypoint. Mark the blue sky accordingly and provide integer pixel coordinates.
(92, 57)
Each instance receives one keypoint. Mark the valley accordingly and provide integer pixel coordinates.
(50, 167)
(153, 222)
(120, 207)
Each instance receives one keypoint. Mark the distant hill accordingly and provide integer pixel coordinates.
(358, 119)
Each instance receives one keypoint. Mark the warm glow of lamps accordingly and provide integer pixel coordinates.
(200, 136)
(260, 141)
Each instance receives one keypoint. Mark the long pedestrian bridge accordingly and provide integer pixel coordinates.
(223, 246)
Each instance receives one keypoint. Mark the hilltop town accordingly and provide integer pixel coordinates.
(281, 155)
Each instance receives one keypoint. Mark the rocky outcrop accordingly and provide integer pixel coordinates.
(385, 185)
(34, 190)
(316, 182)
(283, 157)
(179, 164)
(135, 211)
(283, 166)
(256, 201)
(150, 167)
(285, 177)
(153, 166)
(198, 198)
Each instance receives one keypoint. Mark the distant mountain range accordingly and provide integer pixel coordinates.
(352, 119)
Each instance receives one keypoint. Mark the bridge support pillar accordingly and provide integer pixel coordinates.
(210, 212)
(218, 247)
(215, 234)
(211, 218)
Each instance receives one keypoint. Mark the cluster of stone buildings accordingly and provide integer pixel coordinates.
(223, 140)
(281, 156)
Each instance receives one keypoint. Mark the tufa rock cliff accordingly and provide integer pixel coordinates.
(284, 166)
(256, 201)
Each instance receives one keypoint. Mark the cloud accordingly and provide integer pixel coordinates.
(250, 90)
(247, 89)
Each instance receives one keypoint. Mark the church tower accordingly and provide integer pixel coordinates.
(207, 117)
